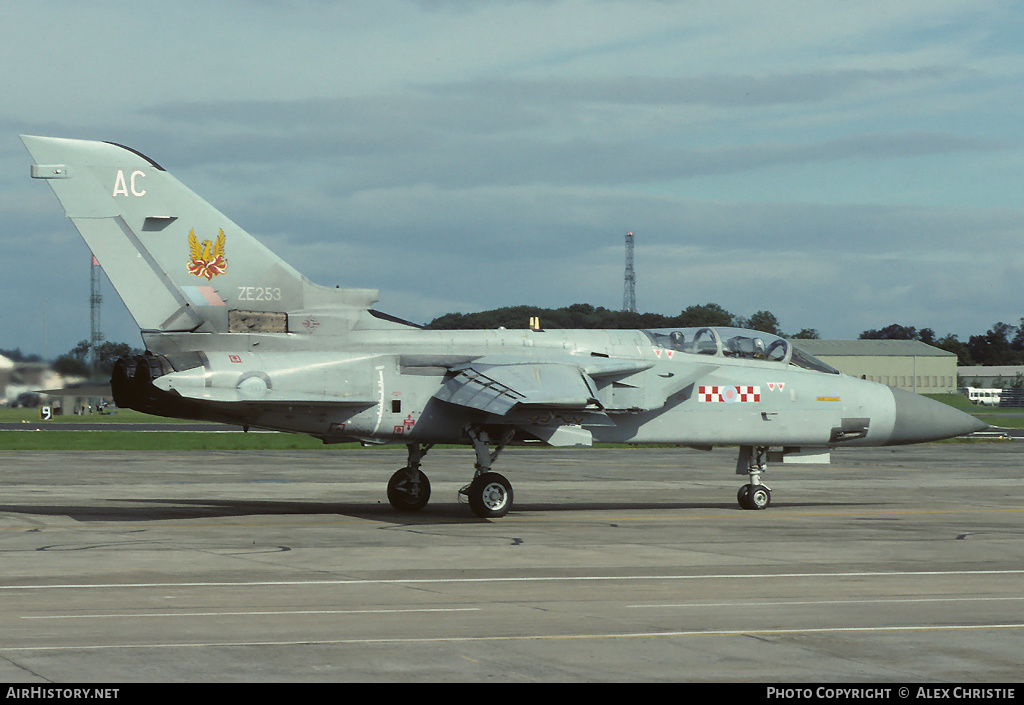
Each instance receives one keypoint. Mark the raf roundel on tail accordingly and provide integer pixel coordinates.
(258, 344)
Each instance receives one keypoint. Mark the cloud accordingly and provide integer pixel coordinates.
(839, 164)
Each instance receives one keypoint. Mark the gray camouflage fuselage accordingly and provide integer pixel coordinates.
(396, 375)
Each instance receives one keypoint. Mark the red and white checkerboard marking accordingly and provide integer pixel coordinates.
(729, 394)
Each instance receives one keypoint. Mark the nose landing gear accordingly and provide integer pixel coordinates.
(752, 463)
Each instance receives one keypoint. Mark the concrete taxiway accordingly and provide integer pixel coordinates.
(890, 565)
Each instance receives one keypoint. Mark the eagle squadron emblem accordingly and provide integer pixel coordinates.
(206, 260)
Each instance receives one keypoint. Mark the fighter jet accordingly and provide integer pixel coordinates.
(235, 334)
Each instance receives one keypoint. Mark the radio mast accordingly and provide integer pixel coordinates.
(95, 298)
(629, 285)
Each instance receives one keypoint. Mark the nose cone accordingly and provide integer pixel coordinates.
(920, 419)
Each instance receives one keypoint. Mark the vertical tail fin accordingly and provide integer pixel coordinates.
(176, 261)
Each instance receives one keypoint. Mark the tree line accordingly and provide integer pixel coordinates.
(76, 362)
(1002, 344)
(587, 316)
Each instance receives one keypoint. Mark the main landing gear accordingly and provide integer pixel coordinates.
(752, 463)
(489, 494)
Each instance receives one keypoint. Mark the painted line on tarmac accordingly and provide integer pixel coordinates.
(250, 613)
(518, 579)
(783, 603)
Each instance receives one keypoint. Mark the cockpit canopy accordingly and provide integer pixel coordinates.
(736, 342)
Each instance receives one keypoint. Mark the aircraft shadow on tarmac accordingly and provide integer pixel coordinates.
(144, 510)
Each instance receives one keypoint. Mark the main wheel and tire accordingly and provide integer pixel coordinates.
(754, 496)
(490, 495)
(407, 495)
(742, 495)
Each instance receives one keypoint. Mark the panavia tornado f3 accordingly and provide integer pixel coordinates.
(235, 334)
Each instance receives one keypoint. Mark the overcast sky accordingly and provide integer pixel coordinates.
(845, 165)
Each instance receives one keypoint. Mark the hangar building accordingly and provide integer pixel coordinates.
(906, 364)
(996, 376)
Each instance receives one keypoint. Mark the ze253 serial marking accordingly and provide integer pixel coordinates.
(259, 293)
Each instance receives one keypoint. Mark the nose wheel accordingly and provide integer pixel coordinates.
(751, 462)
